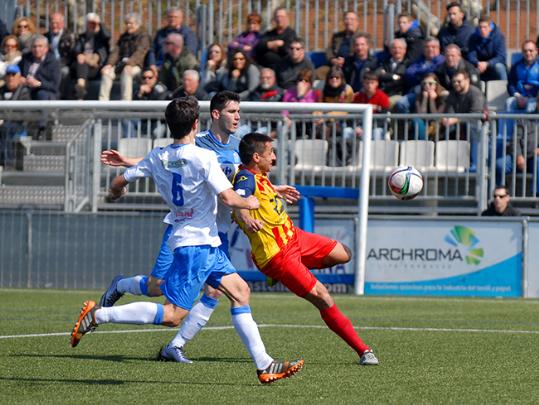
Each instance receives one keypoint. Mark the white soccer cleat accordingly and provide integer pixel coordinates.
(368, 359)
(173, 353)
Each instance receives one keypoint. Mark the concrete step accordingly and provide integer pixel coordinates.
(64, 133)
(43, 196)
(43, 163)
(32, 178)
(44, 147)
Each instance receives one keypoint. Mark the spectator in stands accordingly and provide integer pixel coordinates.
(12, 131)
(272, 48)
(464, 99)
(249, 38)
(10, 54)
(411, 32)
(370, 93)
(24, 29)
(391, 72)
(302, 92)
(62, 43)
(457, 30)
(191, 86)
(91, 53)
(341, 44)
(335, 88)
(215, 64)
(356, 65)
(267, 90)
(177, 60)
(126, 59)
(522, 153)
(488, 51)
(454, 63)
(501, 204)
(241, 76)
(295, 62)
(175, 24)
(41, 70)
(523, 83)
(150, 88)
(430, 100)
(428, 63)
(336, 91)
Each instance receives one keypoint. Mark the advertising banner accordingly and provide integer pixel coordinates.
(533, 260)
(340, 278)
(446, 258)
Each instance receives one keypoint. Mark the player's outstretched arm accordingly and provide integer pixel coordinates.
(233, 200)
(111, 157)
(252, 224)
(289, 193)
(117, 188)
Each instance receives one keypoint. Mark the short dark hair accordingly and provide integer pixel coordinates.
(501, 187)
(370, 76)
(252, 143)
(221, 99)
(181, 114)
(453, 4)
(484, 18)
(463, 72)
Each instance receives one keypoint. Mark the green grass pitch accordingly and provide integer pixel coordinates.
(431, 351)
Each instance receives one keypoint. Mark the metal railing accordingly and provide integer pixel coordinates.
(314, 20)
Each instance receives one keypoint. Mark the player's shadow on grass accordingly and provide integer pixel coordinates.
(113, 358)
(36, 380)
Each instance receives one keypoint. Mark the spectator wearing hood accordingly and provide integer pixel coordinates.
(411, 32)
(457, 30)
(488, 51)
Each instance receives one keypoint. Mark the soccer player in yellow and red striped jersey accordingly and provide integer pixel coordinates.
(283, 252)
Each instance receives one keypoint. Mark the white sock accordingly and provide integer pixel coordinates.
(131, 285)
(198, 318)
(247, 330)
(137, 312)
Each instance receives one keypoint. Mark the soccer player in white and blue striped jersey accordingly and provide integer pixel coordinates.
(189, 179)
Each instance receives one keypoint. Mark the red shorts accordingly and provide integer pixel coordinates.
(291, 265)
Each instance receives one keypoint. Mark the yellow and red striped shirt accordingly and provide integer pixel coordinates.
(278, 228)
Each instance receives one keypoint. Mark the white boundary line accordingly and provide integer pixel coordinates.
(289, 326)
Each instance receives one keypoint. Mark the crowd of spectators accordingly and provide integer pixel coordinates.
(413, 73)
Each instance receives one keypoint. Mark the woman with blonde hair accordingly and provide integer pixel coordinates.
(24, 29)
(9, 53)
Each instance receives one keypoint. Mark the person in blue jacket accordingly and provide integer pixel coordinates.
(457, 30)
(488, 51)
(523, 83)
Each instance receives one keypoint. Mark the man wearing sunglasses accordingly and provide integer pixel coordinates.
(501, 204)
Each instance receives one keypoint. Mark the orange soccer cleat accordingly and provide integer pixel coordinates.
(278, 370)
(85, 323)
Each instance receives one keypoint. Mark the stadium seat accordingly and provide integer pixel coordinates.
(497, 94)
(452, 156)
(134, 146)
(384, 155)
(317, 58)
(310, 154)
(419, 154)
(162, 142)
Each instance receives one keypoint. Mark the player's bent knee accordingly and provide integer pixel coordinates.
(320, 297)
(154, 287)
(339, 255)
(213, 292)
(173, 316)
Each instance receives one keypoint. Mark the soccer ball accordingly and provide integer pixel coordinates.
(405, 182)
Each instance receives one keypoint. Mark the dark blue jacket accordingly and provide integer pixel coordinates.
(420, 68)
(524, 79)
(354, 69)
(156, 54)
(459, 36)
(415, 39)
(48, 74)
(491, 49)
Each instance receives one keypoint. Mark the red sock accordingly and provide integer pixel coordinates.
(342, 326)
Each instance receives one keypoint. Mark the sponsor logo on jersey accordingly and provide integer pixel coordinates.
(175, 164)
